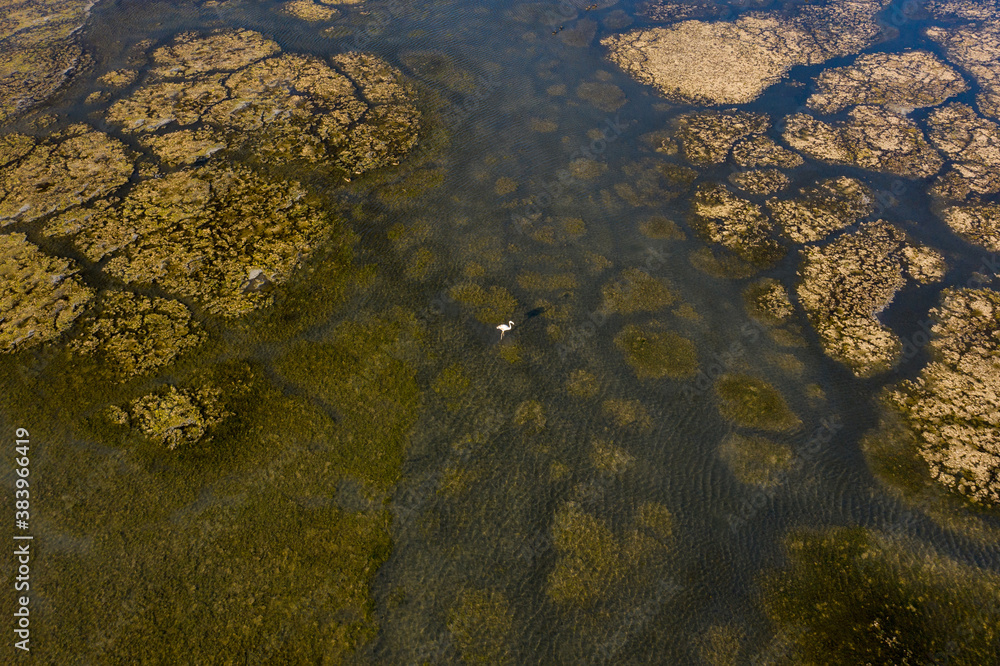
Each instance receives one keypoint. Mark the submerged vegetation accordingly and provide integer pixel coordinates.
(252, 289)
(851, 596)
(845, 284)
(751, 402)
(40, 296)
(946, 427)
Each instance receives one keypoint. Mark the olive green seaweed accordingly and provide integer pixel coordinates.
(851, 596)
(753, 403)
(654, 353)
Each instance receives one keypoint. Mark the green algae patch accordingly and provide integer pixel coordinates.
(452, 384)
(133, 335)
(356, 372)
(755, 460)
(654, 353)
(530, 415)
(587, 564)
(174, 418)
(582, 384)
(221, 236)
(851, 596)
(605, 96)
(317, 289)
(230, 538)
(651, 182)
(626, 413)
(593, 562)
(657, 520)
(819, 210)
(533, 281)
(707, 136)
(661, 228)
(754, 403)
(736, 224)
(69, 169)
(721, 263)
(609, 459)
(480, 624)
(637, 291)
(440, 68)
(489, 306)
(40, 295)
(766, 300)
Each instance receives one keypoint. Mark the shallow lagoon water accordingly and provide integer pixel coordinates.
(399, 486)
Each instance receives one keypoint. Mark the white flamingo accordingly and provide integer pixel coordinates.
(505, 327)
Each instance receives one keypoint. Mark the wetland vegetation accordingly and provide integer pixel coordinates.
(253, 257)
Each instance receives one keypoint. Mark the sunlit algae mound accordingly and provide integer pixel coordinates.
(307, 10)
(67, 169)
(851, 596)
(38, 50)
(900, 81)
(762, 151)
(845, 284)
(976, 49)
(872, 138)
(40, 296)
(732, 63)
(979, 224)
(829, 205)
(760, 181)
(134, 335)
(951, 412)
(707, 136)
(218, 235)
(174, 418)
(738, 225)
(972, 146)
(237, 90)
